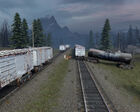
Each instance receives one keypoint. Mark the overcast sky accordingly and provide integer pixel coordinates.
(78, 15)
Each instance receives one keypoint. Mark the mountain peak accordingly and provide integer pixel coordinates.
(66, 28)
(52, 19)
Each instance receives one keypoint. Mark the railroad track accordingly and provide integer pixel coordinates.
(93, 99)
(8, 90)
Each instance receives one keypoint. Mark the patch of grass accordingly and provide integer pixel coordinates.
(127, 79)
(49, 91)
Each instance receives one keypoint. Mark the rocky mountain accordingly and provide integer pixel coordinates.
(62, 35)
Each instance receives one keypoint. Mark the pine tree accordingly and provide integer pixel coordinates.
(130, 36)
(49, 41)
(25, 36)
(91, 41)
(97, 40)
(16, 39)
(38, 33)
(34, 33)
(4, 34)
(105, 40)
(137, 34)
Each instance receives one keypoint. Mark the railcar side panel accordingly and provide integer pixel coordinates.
(7, 70)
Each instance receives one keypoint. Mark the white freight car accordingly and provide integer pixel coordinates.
(23, 61)
(42, 55)
(7, 68)
(49, 53)
(37, 56)
(13, 65)
(79, 51)
(67, 46)
(17, 64)
(62, 48)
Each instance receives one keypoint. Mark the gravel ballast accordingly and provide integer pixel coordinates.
(122, 101)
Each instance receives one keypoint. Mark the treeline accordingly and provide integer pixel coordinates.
(20, 36)
(107, 40)
(123, 39)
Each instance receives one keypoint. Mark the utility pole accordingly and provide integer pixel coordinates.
(33, 37)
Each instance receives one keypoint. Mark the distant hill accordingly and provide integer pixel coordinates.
(62, 35)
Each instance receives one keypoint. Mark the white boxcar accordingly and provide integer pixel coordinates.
(43, 51)
(50, 53)
(23, 61)
(13, 65)
(29, 59)
(62, 48)
(7, 68)
(80, 51)
(37, 56)
(67, 46)
(41, 55)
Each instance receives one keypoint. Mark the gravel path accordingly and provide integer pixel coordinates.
(67, 101)
(27, 93)
(122, 101)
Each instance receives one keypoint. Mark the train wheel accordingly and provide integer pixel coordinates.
(36, 69)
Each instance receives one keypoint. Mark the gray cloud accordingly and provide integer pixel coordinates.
(95, 1)
(8, 4)
(74, 13)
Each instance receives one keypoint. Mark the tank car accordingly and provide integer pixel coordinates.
(117, 56)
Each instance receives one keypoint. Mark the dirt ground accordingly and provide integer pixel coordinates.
(122, 101)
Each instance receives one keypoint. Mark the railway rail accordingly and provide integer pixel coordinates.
(8, 90)
(93, 99)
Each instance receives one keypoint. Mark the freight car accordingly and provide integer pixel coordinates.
(16, 65)
(67, 46)
(41, 56)
(62, 48)
(117, 56)
(79, 52)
